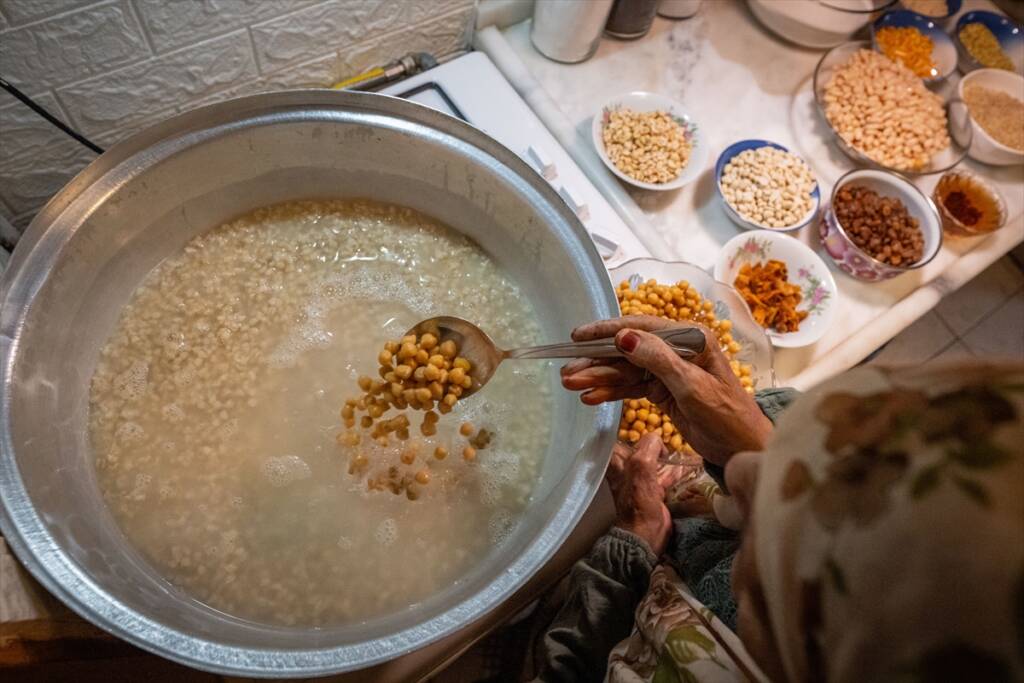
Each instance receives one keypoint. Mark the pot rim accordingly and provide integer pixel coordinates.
(53, 567)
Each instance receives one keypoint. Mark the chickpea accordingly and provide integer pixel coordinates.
(456, 376)
(358, 464)
(423, 477)
(366, 422)
(440, 453)
(409, 453)
(408, 350)
(385, 357)
(403, 372)
(448, 348)
(428, 341)
(466, 429)
(469, 454)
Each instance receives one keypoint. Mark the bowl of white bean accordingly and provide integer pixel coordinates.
(764, 186)
(881, 114)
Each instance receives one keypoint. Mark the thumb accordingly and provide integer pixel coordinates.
(649, 352)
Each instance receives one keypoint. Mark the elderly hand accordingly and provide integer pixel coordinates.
(638, 483)
(702, 395)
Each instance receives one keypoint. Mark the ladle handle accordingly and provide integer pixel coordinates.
(685, 341)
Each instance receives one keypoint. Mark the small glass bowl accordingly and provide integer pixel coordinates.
(957, 119)
(950, 225)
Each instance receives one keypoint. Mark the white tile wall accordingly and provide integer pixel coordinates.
(110, 68)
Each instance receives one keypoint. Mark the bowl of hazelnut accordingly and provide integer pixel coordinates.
(879, 225)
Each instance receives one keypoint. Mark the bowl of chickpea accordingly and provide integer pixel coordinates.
(686, 293)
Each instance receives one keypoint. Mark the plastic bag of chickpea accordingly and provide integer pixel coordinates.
(679, 302)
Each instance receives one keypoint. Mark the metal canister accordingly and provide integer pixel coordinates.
(678, 9)
(630, 19)
(568, 30)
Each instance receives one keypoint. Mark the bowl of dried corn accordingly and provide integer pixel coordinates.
(986, 40)
(683, 292)
(649, 141)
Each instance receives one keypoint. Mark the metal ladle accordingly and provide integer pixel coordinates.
(480, 350)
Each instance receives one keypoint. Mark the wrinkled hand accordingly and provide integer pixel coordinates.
(638, 485)
(702, 395)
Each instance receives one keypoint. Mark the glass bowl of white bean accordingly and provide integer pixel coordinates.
(920, 133)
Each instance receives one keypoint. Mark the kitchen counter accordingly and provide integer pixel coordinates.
(740, 81)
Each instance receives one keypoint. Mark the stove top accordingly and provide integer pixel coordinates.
(471, 88)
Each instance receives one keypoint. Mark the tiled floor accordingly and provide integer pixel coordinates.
(982, 319)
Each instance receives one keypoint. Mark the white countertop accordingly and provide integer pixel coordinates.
(740, 81)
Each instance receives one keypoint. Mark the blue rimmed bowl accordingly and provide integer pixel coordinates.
(726, 156)
(1008, 32)
(952, 7)
(944, 54)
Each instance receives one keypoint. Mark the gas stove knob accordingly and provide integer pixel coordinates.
(541, 161)
(574, 201)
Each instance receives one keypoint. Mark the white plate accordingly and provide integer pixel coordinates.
(805, 269)
(645, 102)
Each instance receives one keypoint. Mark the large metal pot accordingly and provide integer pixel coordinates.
(142, 201)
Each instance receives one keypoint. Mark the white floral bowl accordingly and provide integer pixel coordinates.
(645, 102)
(805, 269)
(755, 349)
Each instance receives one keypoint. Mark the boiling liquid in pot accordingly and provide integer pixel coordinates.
(214, 411)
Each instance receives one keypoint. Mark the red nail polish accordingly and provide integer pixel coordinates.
(629, 341)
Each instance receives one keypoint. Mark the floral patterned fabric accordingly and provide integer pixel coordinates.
(888, 529)
(888, 525)
(678, 640)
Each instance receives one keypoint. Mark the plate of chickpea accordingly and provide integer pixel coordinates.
(685, 293)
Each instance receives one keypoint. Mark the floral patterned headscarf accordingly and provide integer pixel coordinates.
(889, 527)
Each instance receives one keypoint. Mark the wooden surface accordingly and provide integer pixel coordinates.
(42, 640)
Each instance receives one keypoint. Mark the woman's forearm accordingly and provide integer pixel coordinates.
(605, 589)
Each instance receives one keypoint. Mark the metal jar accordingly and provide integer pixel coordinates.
(140, 202)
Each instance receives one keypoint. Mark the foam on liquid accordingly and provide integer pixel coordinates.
(214, 410)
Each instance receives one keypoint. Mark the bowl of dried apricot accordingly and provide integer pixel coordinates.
(789, 289)
(649, 141)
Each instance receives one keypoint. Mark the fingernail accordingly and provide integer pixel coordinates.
(629, 342)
